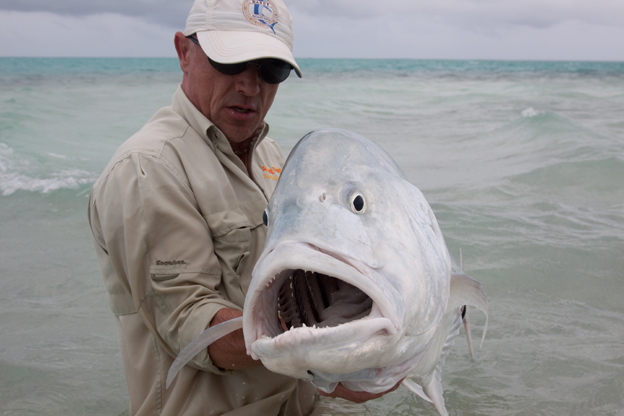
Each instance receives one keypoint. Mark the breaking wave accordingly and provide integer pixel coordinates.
(16, 175)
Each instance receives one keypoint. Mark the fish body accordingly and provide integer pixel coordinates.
(355, 284)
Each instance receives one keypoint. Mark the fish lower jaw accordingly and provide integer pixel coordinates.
(302, 341)
(314, 353)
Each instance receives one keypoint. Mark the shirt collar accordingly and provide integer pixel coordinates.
(205, 128)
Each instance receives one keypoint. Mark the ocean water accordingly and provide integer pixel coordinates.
(522, 162)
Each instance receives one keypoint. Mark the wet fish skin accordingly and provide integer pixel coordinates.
(392, 250)
(345, 225)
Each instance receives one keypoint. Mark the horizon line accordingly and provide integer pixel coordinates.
(334, 58)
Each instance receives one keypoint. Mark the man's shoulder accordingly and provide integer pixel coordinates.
(151, 140)
(165, 125)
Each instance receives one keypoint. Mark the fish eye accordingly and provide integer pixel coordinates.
(265, 217)
(358, 204)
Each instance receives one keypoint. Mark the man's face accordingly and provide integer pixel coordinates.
(236, 104)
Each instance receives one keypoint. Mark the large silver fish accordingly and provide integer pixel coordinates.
(355, 284)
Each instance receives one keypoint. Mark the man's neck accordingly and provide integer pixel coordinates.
(243, 150)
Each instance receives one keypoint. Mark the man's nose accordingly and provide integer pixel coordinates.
(249, 80)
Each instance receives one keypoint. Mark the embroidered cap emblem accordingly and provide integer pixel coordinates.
(260, 13)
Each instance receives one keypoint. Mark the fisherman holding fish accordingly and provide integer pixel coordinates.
(177, 219)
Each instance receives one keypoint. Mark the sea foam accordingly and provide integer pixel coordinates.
(17, 175)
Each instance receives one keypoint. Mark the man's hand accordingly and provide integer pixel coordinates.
(229, 352)
(356, 396)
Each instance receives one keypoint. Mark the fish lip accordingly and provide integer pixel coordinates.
(311, 338)
(294, 255)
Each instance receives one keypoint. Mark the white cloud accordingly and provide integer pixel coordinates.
(442, 36)
(441, 29)
(535, 13)
(167, 12)
(114, 35)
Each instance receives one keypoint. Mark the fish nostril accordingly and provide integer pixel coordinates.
(323, 197)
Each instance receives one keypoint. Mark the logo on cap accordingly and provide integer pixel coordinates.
(260, 13)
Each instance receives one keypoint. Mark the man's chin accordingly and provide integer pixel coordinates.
(238, 134)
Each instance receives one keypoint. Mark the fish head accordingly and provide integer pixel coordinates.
(354, 276)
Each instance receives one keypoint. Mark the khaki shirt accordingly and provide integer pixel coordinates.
(177, 223)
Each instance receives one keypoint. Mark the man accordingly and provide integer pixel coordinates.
(177, 218)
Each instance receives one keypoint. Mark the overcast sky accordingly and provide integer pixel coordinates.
(421, 29)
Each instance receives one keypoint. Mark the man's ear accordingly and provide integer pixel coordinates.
(182, 45)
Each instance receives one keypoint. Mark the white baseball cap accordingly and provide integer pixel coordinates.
(232, 31)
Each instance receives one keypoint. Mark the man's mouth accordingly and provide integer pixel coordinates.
(242, 110)
(242, 113)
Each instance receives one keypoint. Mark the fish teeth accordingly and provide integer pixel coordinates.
(270, 282)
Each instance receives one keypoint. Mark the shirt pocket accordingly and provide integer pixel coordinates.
(231, 235)
(163, 276)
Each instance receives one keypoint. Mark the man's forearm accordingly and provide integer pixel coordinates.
(229, 352)
(356, 396)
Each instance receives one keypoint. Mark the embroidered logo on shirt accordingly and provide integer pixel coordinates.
(271, 173)
(260, 12)
(170, 263)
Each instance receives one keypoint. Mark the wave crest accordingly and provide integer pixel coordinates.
(16, 175)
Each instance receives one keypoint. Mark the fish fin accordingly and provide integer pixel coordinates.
(415, 388)
(202, 341)
(467, 291)
(431, 393)
(448, 344)
(434, 390)
(466, 322)
(431, 389)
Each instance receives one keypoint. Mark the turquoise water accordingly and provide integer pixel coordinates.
(522, 162)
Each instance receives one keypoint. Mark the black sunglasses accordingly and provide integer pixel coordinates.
(271, 71)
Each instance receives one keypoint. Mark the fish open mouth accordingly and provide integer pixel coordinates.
(317, 300)
(300, 286)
